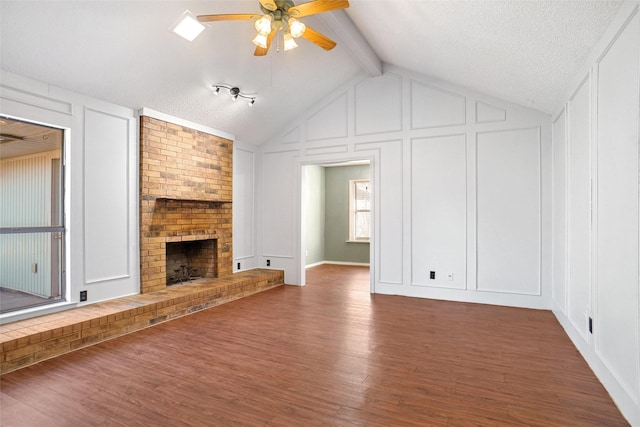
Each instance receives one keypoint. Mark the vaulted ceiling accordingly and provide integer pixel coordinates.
(122, 51)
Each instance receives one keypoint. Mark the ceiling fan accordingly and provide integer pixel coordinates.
(283, 15)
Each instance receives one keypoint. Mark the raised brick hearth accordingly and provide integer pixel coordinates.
(26, 342)
(185, 195)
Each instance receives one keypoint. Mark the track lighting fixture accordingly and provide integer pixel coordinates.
(234, 92)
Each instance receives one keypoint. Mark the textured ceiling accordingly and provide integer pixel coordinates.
(122, 51)
(521, 51)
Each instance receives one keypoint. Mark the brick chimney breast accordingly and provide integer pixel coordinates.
(185, 195)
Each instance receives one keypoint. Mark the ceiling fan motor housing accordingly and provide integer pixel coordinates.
(282, 5)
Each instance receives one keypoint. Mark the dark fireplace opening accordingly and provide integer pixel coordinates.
(191, 260)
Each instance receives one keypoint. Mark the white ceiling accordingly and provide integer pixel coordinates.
(122, 51)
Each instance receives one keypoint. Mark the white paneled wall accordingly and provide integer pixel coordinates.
(439, 205)
(508, 209)
(601, 196)
(243, 208)
(107, 205)
(579, 208)
(101, 184)
(387, 182)
(460, 188)
(559, 212)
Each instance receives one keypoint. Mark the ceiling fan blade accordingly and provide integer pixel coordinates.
(228, 17)
(319, 39)
(317, 6)
(268, 4)
(262, 51)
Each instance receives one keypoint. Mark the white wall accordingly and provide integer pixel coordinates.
(243, 207)
(101, 184)
(596, 217)
(461, 181)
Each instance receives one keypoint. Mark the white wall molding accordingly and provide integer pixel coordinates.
(148, 112)
(393, 165)
(601, 139)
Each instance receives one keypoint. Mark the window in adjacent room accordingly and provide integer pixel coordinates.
(359, 210)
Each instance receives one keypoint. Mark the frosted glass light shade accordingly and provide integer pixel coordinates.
(260, 40)
(263, 25)
(296, 27)
(187, 26)
(289, 42)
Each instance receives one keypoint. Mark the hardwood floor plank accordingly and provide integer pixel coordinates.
(327, 354)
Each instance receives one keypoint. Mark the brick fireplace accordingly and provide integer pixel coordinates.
(185, 197)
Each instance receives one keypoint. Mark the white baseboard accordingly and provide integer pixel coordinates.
(356, 264)
(623, 400)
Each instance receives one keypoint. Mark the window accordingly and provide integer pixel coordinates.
(359, 210)
(31, 215)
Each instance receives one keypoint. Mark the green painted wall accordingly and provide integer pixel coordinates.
(336, 229)
(314, 213)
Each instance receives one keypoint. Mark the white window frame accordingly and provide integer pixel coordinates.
(352, 212)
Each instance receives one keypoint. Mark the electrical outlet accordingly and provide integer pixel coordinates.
(450, 277)
(83, 296)
(432, 275)
(268, 263)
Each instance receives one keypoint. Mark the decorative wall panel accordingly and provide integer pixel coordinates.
(433, 107)
(508, 206)
(579, 209)
(372, 116)
(278, 186)
(243, 204)
(559, 212)
(330, 122)
(106, 196)
(617, 254)
(439, 211)
(487, 113)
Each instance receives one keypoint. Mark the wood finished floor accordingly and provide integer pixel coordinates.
(326, 354)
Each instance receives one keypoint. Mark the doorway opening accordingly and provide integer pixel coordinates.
(337, 205)
(32, 232)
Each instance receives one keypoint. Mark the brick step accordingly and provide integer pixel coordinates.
(30, 341)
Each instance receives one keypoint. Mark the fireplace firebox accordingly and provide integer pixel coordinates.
(190, 260)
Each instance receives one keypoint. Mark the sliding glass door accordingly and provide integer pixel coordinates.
(32, 230)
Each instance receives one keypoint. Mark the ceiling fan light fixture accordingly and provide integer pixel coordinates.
(260, 40)
(263, 25)
(296, 27)
(289, 42)
(187, 26)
